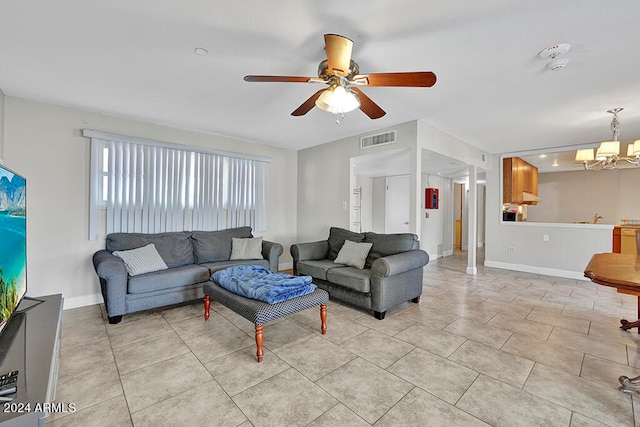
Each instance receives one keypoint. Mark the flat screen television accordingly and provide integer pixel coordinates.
(13, 242)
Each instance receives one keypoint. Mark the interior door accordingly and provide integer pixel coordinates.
(397, 204)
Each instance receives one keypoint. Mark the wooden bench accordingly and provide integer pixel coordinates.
(260, 312)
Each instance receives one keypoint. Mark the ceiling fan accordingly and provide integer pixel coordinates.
(342, 74)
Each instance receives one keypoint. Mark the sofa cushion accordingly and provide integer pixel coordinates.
(353, 254)
(389, 244)
(337, 236)
(250, 248)
(167, 279)
(209, 246)
(174, 247)
(141, 260)
(316, 268)
(352, 278)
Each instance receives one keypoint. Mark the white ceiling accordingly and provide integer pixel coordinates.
(136, 59)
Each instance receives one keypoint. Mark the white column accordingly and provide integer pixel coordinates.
(472, 220)
(415, 187)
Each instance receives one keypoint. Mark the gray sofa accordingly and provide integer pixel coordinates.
(191, 257)
(392, 273)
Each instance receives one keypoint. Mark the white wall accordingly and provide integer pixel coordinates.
(437, 230)
(435, 140)
(378, 215)
(436, 233)
(577, 196)
(432, 139)
(324, 176)
(365, 183)
(324, 181)
(482, 203)
(44, 143)
(565, 254)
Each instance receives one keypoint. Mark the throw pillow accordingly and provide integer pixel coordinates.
(211, 246)
(141, 260)
(337, 236)
(353, 254)
(249, 248)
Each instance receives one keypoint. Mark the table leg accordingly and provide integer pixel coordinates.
(629, 385)
(207, 306)
(323, 317)
(626, 325)
(259, 341)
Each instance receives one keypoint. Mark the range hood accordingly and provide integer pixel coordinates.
(530, 198)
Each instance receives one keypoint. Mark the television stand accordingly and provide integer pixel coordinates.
(30, 344)
(28, 303)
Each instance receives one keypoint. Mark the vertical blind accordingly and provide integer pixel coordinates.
(147, 188)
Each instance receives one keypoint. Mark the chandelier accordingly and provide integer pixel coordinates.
(608, 153)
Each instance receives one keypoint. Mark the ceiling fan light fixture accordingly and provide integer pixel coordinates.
(338, 100)
(342, 74)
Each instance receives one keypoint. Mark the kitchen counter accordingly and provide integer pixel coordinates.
(560, 224)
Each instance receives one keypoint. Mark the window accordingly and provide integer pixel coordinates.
(153, 187)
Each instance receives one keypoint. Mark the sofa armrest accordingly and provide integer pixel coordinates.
(113, 281)
(310, 250)
(271, 251)
(399, 263)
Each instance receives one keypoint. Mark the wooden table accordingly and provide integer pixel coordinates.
(620, 271)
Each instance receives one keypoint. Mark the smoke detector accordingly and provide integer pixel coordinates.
(557, 64)
(554, 51)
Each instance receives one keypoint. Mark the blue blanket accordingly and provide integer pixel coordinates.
(256, 282)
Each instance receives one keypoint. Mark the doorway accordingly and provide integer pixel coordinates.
(458, 190)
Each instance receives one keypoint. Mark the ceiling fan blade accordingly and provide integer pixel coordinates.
(410, 79)
(308, 104)
(367, 106)
(283, 79)
(338, 53)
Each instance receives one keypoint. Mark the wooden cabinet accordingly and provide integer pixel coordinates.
(520, 182)
(617, 239)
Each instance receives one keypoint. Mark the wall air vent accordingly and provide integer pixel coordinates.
(378, 139)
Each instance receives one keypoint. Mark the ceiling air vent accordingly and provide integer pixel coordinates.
(378, 139)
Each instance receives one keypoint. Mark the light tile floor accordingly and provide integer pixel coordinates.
(500, 348)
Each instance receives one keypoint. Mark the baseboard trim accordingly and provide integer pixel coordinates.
(285, 266)
(567, 274)
(82, 301)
